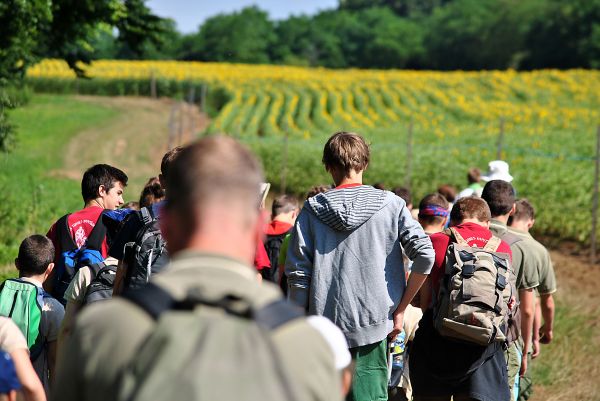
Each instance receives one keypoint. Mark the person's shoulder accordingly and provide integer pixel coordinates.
(439, 239)
(52, 306)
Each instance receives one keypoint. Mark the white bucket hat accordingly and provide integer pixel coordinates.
(498, 171)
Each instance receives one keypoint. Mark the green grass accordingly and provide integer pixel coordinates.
(32, 198)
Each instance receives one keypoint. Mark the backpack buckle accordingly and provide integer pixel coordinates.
(501, 282)
(468, 270)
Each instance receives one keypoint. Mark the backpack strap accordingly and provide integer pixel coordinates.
(95, 269)
(147, 215)
(511, 238)
(63, 234)
(97, 235)
(155, 301)
(492, 244)
(457, 237)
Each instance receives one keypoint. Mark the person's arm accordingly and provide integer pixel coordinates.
(415, 282)
(32, 387)
(527, 299)
(537, 321)
(299, 262)
(425, 295)
(547, 309)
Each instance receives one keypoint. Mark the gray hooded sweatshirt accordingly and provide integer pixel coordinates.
(345, 261)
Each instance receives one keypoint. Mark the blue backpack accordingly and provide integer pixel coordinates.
(73, 258)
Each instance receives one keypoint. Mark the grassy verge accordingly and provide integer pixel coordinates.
(30, 196)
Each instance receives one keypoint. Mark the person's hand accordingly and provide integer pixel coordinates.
(523, 366)
(535, 344)
(545, 335)
(398, 323)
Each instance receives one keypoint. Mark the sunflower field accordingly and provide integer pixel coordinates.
(545, 120)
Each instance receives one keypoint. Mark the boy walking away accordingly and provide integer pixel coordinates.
(519, 224)
(474, 188)
(79, 238)
(433, 213)
(139, 245)
(450, 358)
(345, 262)
(283, 216)
(500, 197)
(36, 313)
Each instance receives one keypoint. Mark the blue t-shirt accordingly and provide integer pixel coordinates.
(8, 375)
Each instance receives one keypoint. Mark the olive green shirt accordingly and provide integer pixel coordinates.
(547, 279)
(523, 260)
(107, 334)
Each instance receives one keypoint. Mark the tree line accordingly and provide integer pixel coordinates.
(415, 34)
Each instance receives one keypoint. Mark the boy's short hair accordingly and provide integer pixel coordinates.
(474, 175)
(283, 204)
(524, 211)
(100, 174)
(500, 197)
(36, 252)
(346, 151)
(168, 159)
(317, 189)
(432, 208)
(404, 193)
(448, 192)
(470, 207)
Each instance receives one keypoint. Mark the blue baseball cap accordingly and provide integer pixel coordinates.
(8, 375)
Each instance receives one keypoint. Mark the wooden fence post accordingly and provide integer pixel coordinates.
(595, 200)
(500, 140)
(409, 145)
(152, 85)
(284, 161)
(203, 98)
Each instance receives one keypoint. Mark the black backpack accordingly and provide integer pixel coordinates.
(147, 255)
(103, 281)
(273, 247)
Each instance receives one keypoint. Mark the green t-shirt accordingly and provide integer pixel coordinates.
(541, 256)
(524, 262)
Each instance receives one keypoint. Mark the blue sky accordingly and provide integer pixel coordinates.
(189, 14)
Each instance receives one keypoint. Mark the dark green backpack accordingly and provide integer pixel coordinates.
(208, 349)
(23, 302)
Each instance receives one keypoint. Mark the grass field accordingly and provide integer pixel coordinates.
(549, 120)
(61, 135)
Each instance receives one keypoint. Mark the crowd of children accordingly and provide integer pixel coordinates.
(157, 299)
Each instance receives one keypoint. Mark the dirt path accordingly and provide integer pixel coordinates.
(135, 140)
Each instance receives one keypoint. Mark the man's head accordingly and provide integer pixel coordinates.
(470, 209)
(433, 212)
(317, 189)
(152, 192)
(524, 216)
(213, 188)
(36, 256)
(285, 208)
(474, 175)
(500, 197)
(345, 154)
(405, 194)
(167, 159)
(104, 185)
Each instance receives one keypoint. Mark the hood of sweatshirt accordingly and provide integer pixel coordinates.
(345, 209)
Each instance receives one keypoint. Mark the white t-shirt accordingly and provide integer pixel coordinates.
(11, 338)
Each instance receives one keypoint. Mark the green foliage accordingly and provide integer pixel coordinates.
(33, 194)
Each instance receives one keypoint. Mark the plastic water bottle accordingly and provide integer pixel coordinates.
(397, 351)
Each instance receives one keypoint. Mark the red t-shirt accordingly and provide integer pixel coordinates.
(277, 228)
(261, 259)
(474, 234)
(81, 224)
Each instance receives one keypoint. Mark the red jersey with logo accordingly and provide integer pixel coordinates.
(81, 224)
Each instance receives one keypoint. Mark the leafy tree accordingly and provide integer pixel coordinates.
(243, 36)
(565, 34)
(404, 8)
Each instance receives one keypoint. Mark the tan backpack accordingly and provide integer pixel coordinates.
(477, 296)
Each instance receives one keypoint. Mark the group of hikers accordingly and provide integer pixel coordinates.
(192, 294)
